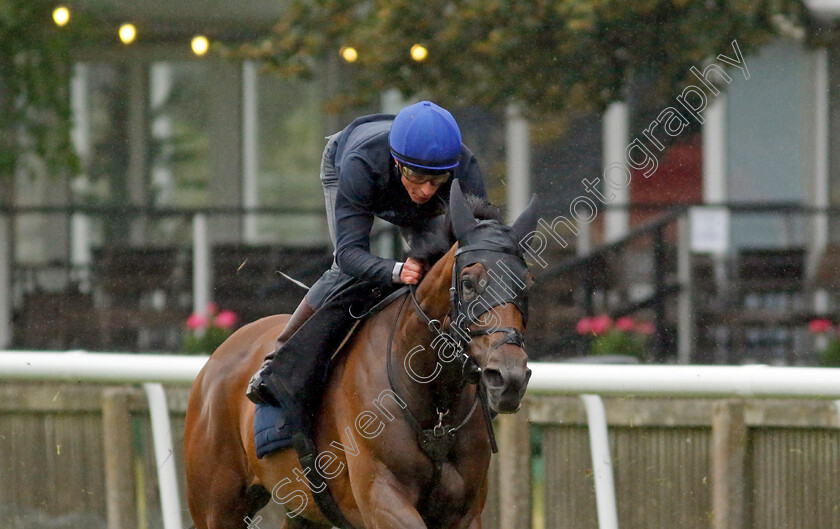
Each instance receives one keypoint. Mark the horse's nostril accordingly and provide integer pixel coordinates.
(494, 378)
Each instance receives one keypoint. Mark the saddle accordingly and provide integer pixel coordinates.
(302, 365)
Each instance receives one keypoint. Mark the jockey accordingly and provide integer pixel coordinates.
(398, 168)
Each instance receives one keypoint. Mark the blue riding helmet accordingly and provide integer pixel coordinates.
(425, 136)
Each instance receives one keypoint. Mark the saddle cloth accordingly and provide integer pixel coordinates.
(301, 366)
(272, 429)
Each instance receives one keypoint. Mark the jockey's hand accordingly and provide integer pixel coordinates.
(412, 272)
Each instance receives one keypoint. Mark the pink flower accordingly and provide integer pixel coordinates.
(584, 326)
(601, 324)
(196, 321)
(819, 325)
(226, 319)
(646, 328)
(625, 324)
(212, 308)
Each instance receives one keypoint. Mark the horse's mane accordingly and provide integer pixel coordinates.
(432, 245)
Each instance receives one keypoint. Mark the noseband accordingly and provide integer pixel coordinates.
(507, 272)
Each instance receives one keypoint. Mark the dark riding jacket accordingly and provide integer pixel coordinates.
(369, 185)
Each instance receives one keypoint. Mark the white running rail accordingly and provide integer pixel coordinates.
(753, 381)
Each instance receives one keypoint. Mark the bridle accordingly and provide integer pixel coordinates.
(459, 334)
(506, 267)
(506, 271)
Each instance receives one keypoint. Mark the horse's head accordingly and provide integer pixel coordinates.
(490, 283)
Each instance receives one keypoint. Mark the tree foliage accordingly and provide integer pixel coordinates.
(548, 55)
(35, 69)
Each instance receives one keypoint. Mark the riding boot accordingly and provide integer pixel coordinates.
(257, 391)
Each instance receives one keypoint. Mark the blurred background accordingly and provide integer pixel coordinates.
(159, 171)
(160, 156)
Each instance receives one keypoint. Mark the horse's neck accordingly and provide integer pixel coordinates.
(433, 291)
(433, 296)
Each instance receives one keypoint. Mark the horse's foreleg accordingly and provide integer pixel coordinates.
(222, 501)
(388, 504)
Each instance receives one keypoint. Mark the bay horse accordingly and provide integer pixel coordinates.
(403, 372)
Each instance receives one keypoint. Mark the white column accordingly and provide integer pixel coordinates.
(820, 189)
(714, 152)
(202, 275)
(714, 177)
(250, 149)
(80, 229)
(584, 239)
(5, 284)
(518, 143)
(714, 160)
(160, 86)
(616, 137)
(138, 128)
(391, 101)
(821, 184)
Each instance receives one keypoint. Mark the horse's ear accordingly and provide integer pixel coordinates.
(462, 217)
(526, 222)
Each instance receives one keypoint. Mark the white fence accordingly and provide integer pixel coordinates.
(590, 381)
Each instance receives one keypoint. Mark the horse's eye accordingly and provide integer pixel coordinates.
(468, 288)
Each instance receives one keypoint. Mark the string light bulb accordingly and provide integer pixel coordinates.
(61, 15)
(419, 52)
(200, 45)
(349, 53)
(128, 33)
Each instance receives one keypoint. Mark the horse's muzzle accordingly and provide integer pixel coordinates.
(505, 387)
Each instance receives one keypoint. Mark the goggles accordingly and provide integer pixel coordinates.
(419, 178)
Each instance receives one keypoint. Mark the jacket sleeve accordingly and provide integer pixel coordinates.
(353, 222)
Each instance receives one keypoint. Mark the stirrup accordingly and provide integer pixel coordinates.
(257, 391)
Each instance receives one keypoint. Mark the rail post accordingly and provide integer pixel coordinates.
(514, 470)
(729, 463)
(119, 460)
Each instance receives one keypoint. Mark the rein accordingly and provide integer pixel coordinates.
(435, 442)
(440, 430)
(471, 372)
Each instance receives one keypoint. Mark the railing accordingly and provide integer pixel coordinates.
(748, 298)
(511, 486)
(701, 303)
(730, 467)
(586, 267)
(135, 293)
